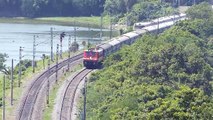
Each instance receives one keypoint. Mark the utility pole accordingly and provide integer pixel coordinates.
(20, 69)
(88, 44)
(110, 27)
(34, 49)
(43, 59)
(85, 94)
(56, 74)
(101, 32)
(173, 11)
(75, 32)
(48, 83)
(61, 49)
(3, 99)
(51, 33)
(61, 39)
(69, 45)
(11, 85)
(158, 27)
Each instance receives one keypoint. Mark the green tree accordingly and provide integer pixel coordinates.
(3, 67)
(200, 11)
(74, 47)
(115, 7)
(164, 77)
(33, 8)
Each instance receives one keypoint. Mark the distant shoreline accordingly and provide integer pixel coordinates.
(66, 21)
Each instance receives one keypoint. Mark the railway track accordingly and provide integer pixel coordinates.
(27, 107)
(66, 107)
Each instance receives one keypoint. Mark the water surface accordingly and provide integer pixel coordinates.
(12, 36)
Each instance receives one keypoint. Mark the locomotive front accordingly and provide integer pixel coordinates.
(93, 58)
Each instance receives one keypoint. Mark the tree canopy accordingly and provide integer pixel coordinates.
(3, 67)
(137, 9)
(200, 11)
(39, 8)
(166, 76)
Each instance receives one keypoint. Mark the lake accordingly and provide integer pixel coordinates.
(12, 36)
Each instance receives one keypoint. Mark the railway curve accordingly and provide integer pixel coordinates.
(26, 108)
(69, 93)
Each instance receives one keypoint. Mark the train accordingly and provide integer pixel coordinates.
(160, 20)
(93, 58)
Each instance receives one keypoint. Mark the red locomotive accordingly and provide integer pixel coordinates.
(93, 57)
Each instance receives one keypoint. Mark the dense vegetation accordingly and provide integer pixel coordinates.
(166, 76)
(3, 67)
(134, 9)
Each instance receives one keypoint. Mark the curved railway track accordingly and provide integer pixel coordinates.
(69, 95)
(27, 106)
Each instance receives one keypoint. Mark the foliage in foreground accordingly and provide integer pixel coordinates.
(201, 11)
(163, 77)
(3, 67)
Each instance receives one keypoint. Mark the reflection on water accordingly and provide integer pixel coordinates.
(12, 36)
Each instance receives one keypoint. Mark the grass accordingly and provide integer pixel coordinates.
(68, 21)
(27, 75)
(53, 94)
(17, 92)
